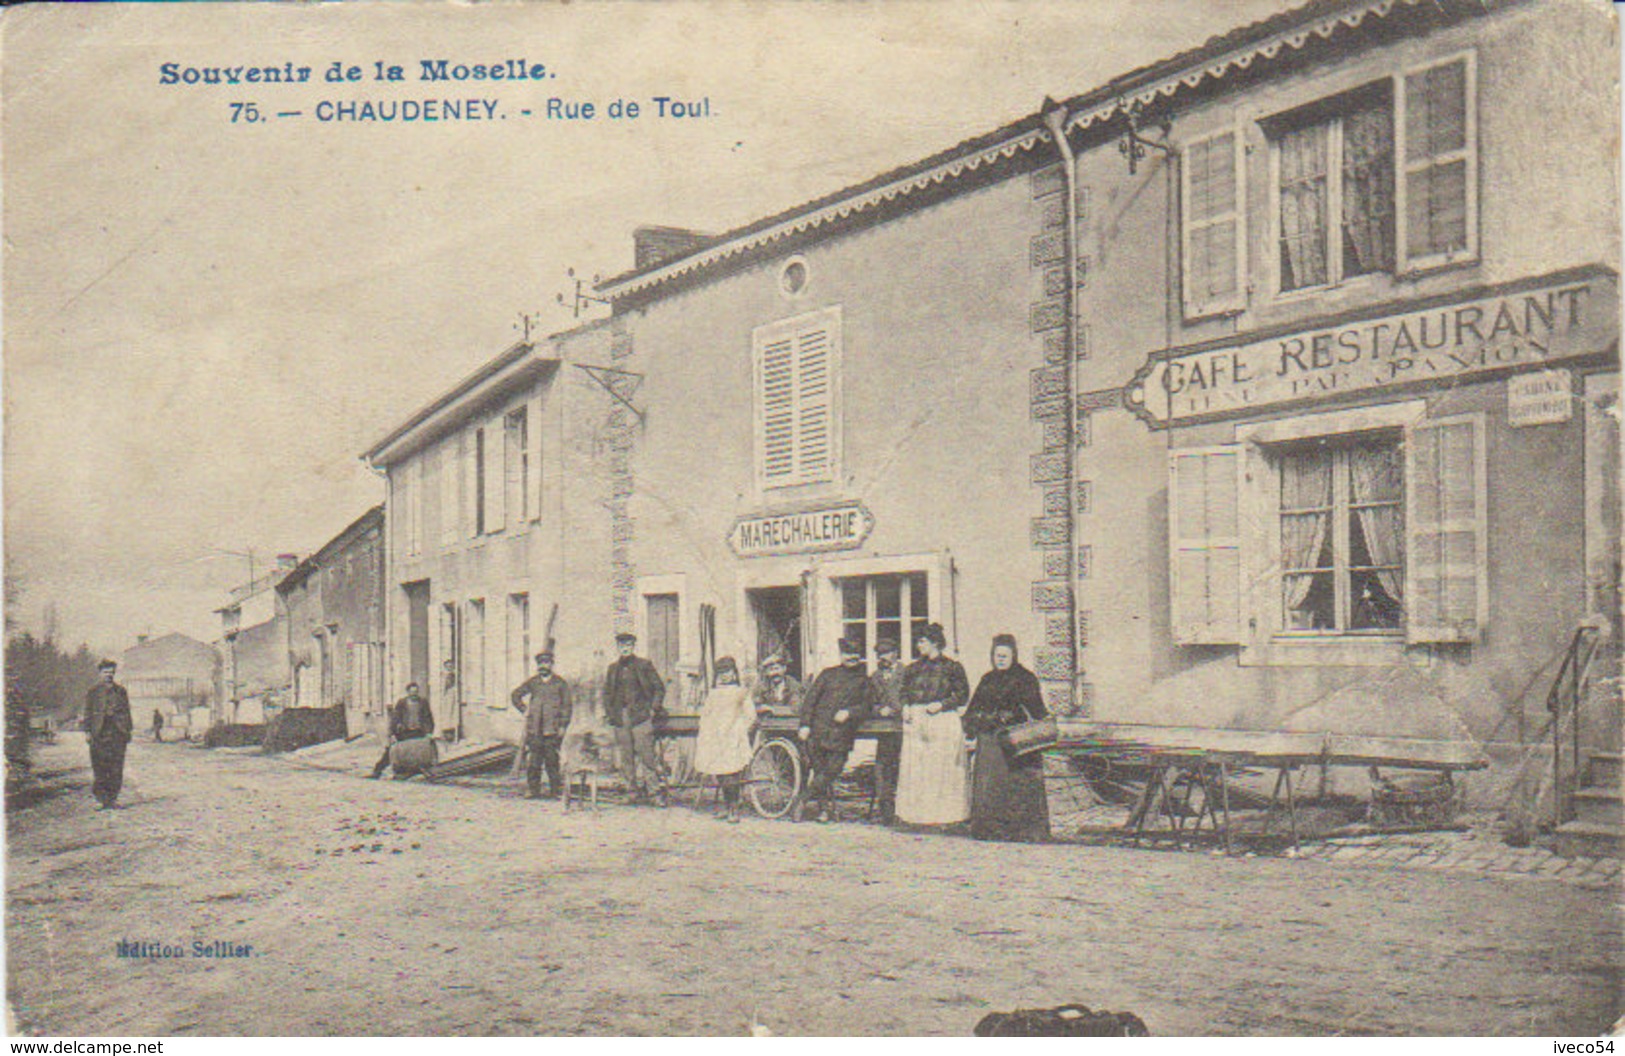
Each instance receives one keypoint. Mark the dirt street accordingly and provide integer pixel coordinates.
(401, 908)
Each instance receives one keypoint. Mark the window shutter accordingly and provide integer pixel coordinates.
(495, 457)
(1446, 589)
(776, 386)
(814, 454)
(496, 652)
(1205, 544)
(473, 452)
(797, 383)
(451, 466)
(1437, 211)
(536, 485)
(515, 446)
(1213, 238)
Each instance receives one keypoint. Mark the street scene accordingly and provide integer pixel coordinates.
(1060, 518)
(399, 908)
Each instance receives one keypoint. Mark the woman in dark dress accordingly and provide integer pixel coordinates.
(1007, 790)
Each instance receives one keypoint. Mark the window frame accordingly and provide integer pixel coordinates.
(830, 321)
(1265, 641)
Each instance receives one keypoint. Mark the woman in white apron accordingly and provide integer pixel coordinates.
(933, 785)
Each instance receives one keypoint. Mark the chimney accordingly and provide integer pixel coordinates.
(141, 639)
(286, 562)
(652, 244)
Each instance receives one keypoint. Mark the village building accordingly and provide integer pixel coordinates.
(333, 602)
(1270, 388)
(255, 679)
(497, 494)
(175, 676)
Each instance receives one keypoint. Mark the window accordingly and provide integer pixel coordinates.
(1334, 190)
(1342, 535)
(1212, 239)
(518, 651)
(516, 466)
(797, 371)
(1357, 525)
(895, 606)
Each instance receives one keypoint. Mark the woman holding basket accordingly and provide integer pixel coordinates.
(1007, 790)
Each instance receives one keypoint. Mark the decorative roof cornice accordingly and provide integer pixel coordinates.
(1237, 50)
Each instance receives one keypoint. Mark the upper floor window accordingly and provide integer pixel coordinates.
(1381, 179)
(796, 371)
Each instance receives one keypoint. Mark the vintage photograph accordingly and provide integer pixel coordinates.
(971, 518)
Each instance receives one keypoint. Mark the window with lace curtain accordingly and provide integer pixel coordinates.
(1380, 179)
(1342, 539)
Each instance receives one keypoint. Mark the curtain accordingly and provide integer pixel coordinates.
(1306, 484)
(1303, 207)
(1368, 190)
(1375, 476)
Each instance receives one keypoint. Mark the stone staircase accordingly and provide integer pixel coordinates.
(1598, 828)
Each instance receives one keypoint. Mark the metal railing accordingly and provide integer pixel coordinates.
(1564, 702)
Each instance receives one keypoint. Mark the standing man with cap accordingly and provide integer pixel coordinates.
(108, 728)
(544, 701)
(840, 698)
(633, 692)
(776, 694)
(888, 685)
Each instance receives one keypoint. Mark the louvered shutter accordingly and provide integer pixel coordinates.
(1205, 545)
(776, 453)
(495, 457)
(473, 462)
(814, 431)
(1436, 140)
(1212, 232)
(537, 485)
(1446, 571)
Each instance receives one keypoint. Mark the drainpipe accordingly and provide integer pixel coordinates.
(1056, 119)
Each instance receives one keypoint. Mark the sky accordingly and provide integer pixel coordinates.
(205, 322)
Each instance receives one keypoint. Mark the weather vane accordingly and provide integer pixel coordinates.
(581, 298)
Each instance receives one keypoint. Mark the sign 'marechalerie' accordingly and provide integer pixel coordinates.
(837, 527)
(1518, 327)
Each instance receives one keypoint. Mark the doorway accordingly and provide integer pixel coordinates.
(417, 631)
(777, 613)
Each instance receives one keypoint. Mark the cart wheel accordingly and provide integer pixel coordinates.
(773, 779)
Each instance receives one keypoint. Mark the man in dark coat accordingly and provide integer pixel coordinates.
(888, 684)
(409, 717)
(108, 728)
(840, 699)
(544, 700)
(633, 693)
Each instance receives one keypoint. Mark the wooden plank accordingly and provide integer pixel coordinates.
(1269, 747)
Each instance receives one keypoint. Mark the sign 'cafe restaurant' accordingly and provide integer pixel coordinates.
(1388, 522)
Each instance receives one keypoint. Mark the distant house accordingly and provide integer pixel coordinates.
(171, 674)
(333, 608)
(255, 681)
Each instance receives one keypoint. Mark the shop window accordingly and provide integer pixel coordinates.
(1342, 535)
(1212, 235)
(796, 382)
(895, 606)
(1364, 533)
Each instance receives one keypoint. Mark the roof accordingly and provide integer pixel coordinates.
(303, 570)
(490, 367)
(1237, 50)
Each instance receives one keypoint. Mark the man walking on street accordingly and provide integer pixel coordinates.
(840, 698)
(888, 685)
(157, 725)
(409, 717)
(108, 728)
(633, 693)
(544, 700)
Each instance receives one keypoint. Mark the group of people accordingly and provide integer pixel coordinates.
(943, 760)
(947, 762)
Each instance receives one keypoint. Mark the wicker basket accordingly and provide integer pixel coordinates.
(1032, 736)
